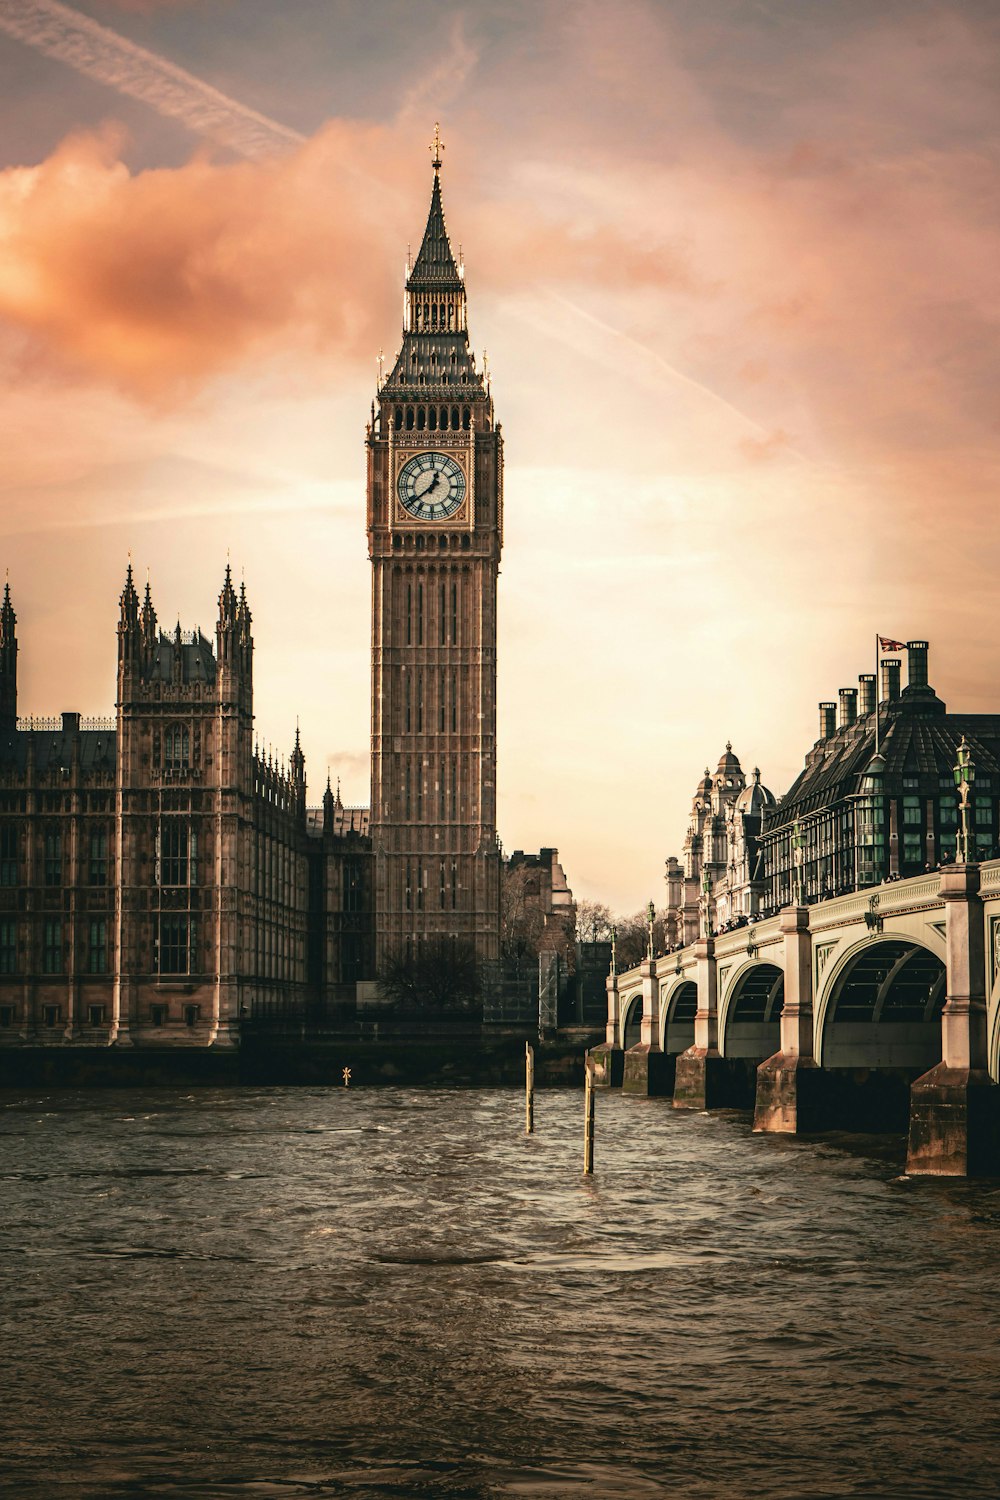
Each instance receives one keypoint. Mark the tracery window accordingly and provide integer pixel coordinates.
(174, 946)
(53, 869)
(97, 869)
(176, 853)
(177, 748)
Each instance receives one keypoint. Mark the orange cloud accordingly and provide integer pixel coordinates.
(159, 278)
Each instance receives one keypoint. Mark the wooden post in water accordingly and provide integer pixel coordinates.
(588, 1117)
(529, 1089)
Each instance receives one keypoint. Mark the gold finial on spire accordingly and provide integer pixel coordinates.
(381, 362)
(436, 147)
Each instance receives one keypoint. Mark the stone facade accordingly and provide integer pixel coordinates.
(160, 878)
(720, 876)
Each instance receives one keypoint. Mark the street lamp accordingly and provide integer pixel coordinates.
(650, 919)
(614, 957)
(965, 774)
(706, 902)
(799, 860)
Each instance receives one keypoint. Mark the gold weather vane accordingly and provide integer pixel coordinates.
(436, 147)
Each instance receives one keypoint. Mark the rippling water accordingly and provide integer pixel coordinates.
(286, 1293)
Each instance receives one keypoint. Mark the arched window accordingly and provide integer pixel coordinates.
(432, 419)
(398, 418)
(466, 416)
(409, 419)
(421, 419)
(454, 417)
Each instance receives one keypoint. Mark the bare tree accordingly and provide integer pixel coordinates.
(522, 920)
(593, 921)
(439, 974)
(632, 937)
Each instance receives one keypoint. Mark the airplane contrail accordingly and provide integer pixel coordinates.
(657, 359)
(59, 31)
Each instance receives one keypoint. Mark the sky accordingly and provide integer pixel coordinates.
(734, 263)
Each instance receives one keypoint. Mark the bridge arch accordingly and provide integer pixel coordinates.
(881, 1006)
(678, 1003)
(750, 1015)
(631, 1013)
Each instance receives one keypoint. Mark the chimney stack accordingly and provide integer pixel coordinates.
(890, 677)
(916, 652)
(866, 694)
(827, 720)
(848, 710)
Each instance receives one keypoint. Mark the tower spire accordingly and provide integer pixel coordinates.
(8, 619)
(129, 600)
(435, 268)
(8, 662)
(148, 617)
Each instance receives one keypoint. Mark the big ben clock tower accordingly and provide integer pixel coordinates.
(435, 526)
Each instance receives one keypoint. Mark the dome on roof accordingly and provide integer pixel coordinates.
(704, 787)
(755, 798)
(728, 762)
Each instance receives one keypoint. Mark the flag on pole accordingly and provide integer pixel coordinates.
(884, 644)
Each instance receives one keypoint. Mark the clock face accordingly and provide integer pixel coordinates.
(431, 486)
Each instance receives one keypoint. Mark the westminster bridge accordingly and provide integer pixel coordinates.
(897, 984)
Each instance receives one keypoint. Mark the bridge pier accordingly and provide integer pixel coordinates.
(646, 1069)
(701, 1076)
(790, 1085)
(955, 1108)
(607, 1060)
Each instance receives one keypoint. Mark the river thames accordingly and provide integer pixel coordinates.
(294, 1292)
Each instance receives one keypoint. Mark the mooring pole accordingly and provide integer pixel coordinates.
(588, 1117)
(529, 1089)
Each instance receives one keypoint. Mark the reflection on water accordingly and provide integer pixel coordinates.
(285, 1293)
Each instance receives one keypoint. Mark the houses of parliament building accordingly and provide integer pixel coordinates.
(160, 878)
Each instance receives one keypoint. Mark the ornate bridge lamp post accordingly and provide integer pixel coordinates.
(614, 950)
(799, 861)
(706, 904)
(965, 774)
(650, 919)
